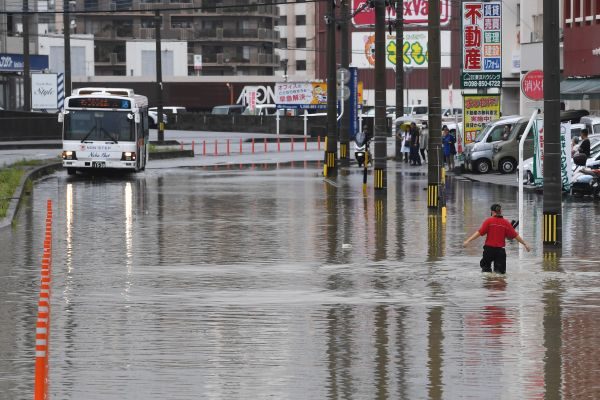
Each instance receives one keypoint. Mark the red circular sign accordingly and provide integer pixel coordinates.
(532, 85)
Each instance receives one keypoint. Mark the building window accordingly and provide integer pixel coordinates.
(300, 20)
(283, 20)
(300, 43)
(181, 22)
(300, 65)
(283, 43)
(518, 14)
(567, 10)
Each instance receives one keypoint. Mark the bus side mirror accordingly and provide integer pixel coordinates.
(61, 117)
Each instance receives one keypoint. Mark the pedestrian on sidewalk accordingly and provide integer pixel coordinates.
(415, 159)
(424, 143)
(497, 230)
(404, 135)
(448, 142)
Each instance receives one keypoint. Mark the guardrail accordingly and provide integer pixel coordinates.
(42, 327)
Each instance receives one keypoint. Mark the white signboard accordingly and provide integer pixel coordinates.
(301, 95)
(414, 49)
(44, 89)
(482, 44)
(197, 62)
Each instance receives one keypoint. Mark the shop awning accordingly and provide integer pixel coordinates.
(577, 89)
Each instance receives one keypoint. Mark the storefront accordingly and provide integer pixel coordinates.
(11, 78)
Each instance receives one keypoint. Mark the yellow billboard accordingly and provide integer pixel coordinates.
(479, 109)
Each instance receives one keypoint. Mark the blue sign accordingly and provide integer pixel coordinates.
(353, 102)
(15, 62)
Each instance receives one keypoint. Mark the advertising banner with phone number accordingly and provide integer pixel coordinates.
(479, 109)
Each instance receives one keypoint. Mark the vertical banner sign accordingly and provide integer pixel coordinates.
(482, 44)
(478, 111)
(566, 162)
(44, 91)
(353, 83)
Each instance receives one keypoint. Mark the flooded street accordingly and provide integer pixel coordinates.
(271, 282)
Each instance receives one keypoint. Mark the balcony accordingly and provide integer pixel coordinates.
(238, 35)
(256, 60)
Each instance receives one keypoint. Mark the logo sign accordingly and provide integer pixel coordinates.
(482, 44)
(416, 12)
(16, 63)
(478, 111)
(414, 50)
(309, 95)
(44, 92)
(532, 85)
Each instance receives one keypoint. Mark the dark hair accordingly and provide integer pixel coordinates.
(445, 128)
(584, 131)
(497, 208)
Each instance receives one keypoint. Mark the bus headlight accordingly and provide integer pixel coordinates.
(69, 155)
(128, 156)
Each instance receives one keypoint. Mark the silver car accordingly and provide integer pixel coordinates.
(478, 155)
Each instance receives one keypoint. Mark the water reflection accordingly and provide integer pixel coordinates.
(234, 283)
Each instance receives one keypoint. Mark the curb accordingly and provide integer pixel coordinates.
(32, 174)
(162, 155)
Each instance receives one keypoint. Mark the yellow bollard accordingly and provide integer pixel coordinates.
(443, 214)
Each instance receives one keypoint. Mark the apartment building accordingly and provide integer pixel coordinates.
(296, 26)
(234, 37)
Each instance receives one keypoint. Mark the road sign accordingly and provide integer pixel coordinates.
(343, 92)
(343, 76)
(532, 85)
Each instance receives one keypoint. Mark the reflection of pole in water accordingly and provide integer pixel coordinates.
(339, 349)
(380, 225)
(381, 352)
(331, 199)
(553, 291)
(436, 237)
(434, 352)
(401, 359)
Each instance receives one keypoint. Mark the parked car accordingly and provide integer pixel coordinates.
(153, 117)
(505, 153)
(478, 155)
(230, 109)
(592, 123)
(527, 168)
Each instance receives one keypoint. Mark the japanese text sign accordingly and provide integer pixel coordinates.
(416, 12)
(482, 44)
(301, 95)
(478, 111)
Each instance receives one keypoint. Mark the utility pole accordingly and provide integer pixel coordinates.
(552, 236)
(332, 137)
(345, 58)
(26, 59)
(434, 168)
(67, 46)
(399, 72)
(159, 85)
(380, 134)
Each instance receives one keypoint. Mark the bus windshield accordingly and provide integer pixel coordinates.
(111, 126)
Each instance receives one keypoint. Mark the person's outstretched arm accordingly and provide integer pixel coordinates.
(472, 237)
(520, 240)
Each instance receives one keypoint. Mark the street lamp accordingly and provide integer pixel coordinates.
(230, 88)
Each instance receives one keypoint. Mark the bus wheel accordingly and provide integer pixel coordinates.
(71, 171)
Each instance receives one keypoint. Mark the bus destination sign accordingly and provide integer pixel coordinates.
(99, 102)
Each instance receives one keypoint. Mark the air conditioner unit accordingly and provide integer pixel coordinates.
(219, 33)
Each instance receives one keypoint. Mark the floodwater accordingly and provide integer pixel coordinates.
(271, 282)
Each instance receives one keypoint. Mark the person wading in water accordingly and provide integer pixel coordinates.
(497, 230)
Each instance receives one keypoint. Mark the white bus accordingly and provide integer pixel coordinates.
(105, 128)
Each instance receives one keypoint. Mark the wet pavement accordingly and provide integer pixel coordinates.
(268, 281)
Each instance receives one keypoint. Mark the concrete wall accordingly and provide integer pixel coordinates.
(53, 46)
(134, 49)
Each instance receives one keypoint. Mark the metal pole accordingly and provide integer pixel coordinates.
(26, 59)
(67, 46)
(399, 72)
(435, 113)
(159, 88)
(380, 134)
(521, 145)
(345, 60)
(552, 225)
(331, 150)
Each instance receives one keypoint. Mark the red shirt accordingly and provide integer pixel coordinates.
(497, 230)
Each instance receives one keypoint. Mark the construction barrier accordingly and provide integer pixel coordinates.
(42, 328)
